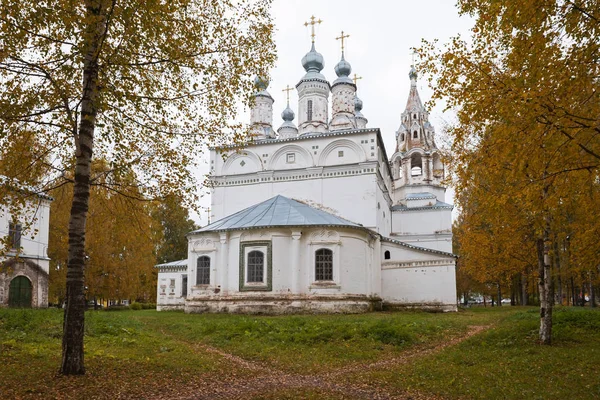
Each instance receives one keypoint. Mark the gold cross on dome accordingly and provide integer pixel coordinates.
(356, 78)
(342, 37)
(288, 89)
(312, 24)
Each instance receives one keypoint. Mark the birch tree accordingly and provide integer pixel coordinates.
(145, 84)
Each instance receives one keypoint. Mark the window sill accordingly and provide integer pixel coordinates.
(252, 287)
(201, 287)
(324, 285)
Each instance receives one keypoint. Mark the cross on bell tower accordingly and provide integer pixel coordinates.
(288, 89)
(342, 37)
(312, 24)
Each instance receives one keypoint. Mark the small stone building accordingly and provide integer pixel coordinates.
(25, 265)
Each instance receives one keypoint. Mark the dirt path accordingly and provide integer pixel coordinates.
(268, 380)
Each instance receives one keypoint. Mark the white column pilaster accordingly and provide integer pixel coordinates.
(295, 262)
(224, 264)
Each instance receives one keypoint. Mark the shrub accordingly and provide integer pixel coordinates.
(135, 306)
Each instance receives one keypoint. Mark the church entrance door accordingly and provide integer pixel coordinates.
(19, 293)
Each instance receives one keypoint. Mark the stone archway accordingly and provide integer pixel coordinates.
(13, 291)
(19, 292)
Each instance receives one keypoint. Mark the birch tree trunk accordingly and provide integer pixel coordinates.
(545, 289)
(73, 329)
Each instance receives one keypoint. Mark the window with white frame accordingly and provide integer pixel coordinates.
(324, 265)
(324, 262)
(203, 271)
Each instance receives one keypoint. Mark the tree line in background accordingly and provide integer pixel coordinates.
(127, 237)
(526, 149)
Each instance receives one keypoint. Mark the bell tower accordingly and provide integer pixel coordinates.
(313, 91)
(419, 161)
(343, 92)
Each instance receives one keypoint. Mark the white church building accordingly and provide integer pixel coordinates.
(315, 217)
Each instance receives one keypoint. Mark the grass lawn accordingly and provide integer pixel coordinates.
(146, 354)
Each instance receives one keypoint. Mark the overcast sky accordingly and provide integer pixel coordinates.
(381, 35)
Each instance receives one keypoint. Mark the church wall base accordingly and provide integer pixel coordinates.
(432, 307)
(279, 305)
(175, 307)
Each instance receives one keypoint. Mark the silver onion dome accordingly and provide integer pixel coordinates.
(261, 83)
(313, 61)
(343, 68)
(412, 73)
(358, 104)
(288, 115)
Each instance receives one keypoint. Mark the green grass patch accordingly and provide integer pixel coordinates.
(507, 362)
(311, 343)
(144, 353)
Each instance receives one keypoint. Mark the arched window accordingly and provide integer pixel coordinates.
(324, 265)
(309, 114)
(416, 164)
(256, 266)
(387, 255)
(402, 137)
(415, 135)
(203, 271)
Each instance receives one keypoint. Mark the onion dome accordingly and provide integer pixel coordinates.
(261, 83)
(359, 118)
(313, 61)
(287, 114)
(287, 129)
(343, 70)
(412, 74)
(358, 104)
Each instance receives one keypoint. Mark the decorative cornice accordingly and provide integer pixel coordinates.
(402, 208)
(306, 136)
(304, 80)
(333, 171)
(416, 263)
(173, 268)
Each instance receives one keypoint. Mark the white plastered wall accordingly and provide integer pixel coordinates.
(170, 296)
(34, 238)
(413, 277)
(350, 247)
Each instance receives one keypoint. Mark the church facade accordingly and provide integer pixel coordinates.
(316, 217)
